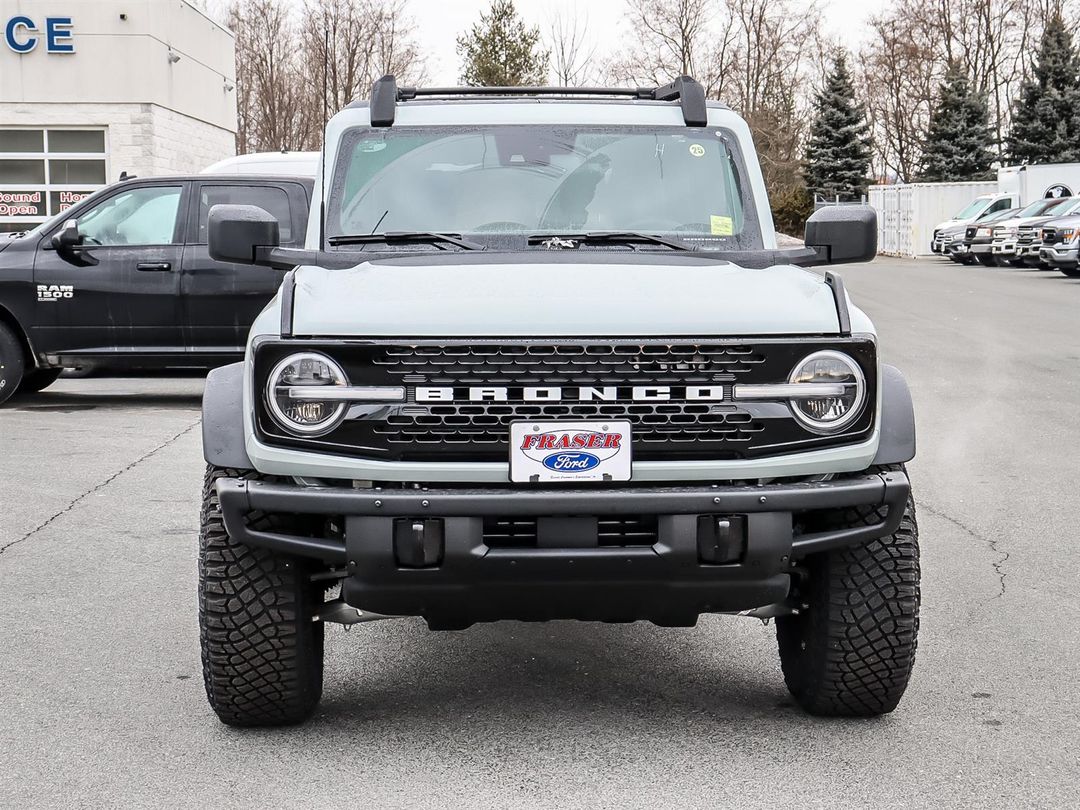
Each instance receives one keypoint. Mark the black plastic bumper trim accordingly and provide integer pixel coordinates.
(239, 497)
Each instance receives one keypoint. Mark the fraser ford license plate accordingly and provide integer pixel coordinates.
(570, 451)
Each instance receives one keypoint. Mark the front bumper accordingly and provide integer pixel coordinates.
(472, 578)
(1059, 256)
(1006, 248)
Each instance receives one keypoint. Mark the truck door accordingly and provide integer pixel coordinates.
(120, 293)
(221, 300)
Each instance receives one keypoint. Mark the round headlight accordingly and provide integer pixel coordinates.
(838, 393)
(293, 395)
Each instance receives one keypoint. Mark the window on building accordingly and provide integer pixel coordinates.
(45, 171)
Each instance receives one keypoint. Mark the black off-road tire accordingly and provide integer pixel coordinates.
(1071, 272)
(851, 652)
(985, 260)
(12, 363)
(262, 654)
(38, 380)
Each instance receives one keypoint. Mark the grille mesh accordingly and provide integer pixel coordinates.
(489, 424)
(562, 364)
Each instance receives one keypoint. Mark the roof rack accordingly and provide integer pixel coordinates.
(385, 95)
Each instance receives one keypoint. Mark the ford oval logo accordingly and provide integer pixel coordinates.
(571, 462)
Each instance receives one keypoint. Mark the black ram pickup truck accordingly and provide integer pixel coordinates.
(123, 279)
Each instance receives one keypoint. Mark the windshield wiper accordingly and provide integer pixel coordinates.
(397, 237)
(559, 241)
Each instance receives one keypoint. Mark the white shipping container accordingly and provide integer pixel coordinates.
(908, 212)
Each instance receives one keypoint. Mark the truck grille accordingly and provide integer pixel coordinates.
(467, 430)
(568, 364)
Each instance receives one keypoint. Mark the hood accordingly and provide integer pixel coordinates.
(1070, 221)
(953, 223)
(9, 238)
(1029, 221)
(479, 296)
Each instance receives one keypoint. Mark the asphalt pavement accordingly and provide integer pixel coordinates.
(101, 696)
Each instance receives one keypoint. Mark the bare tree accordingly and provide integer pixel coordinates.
(291, 76)
(272, 113)
(347, 44)
(674, 38)
(992, 40)
(573, 55)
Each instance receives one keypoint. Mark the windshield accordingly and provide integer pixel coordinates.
(1065, 206)
(973, 208)
(1032, 209)
(505, 183)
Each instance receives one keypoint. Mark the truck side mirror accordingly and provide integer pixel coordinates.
(236, 232)
(843, 233)
(68, 238)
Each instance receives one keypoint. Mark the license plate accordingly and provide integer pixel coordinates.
(570, 451)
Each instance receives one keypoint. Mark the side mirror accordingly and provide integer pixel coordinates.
(843, 233)
(69, 237)
(236, 232)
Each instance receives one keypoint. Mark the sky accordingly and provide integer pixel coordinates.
(440, 21)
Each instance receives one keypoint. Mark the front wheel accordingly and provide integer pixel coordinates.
(12, 363)
(850, 651)
(1071, 272)
(262, 653)
(986, 261)
(38, 380)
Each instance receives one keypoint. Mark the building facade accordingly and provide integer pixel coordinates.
(92, 89)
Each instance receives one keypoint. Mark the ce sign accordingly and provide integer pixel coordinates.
(22, 34)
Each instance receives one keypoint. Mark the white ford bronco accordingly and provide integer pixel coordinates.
(540, 358)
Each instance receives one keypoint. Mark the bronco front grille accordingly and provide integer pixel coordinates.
(568, 363)
(466, 430)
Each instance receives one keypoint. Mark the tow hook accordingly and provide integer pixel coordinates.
(340, 613)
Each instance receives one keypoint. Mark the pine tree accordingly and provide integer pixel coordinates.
(1046, 119)
(501, 51)
(838, 150)
(957, 143)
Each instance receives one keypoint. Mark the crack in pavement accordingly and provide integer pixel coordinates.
(100, 486)
(1003, 556)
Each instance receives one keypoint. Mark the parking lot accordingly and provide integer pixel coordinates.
(101, 696)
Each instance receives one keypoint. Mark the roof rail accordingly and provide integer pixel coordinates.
(385, 95)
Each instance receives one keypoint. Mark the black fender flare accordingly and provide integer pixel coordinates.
(223, 418)
(896, 443)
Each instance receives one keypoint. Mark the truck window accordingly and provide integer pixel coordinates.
(971, 209)
(272, 200)
(141, 216)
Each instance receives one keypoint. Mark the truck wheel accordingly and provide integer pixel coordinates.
(262, 654)
(12, 363)
(1071, 272)
(986, 261)
(851, 651)
(38, 380)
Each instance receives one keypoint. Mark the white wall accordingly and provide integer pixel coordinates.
(122, 61)
(141, 139)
